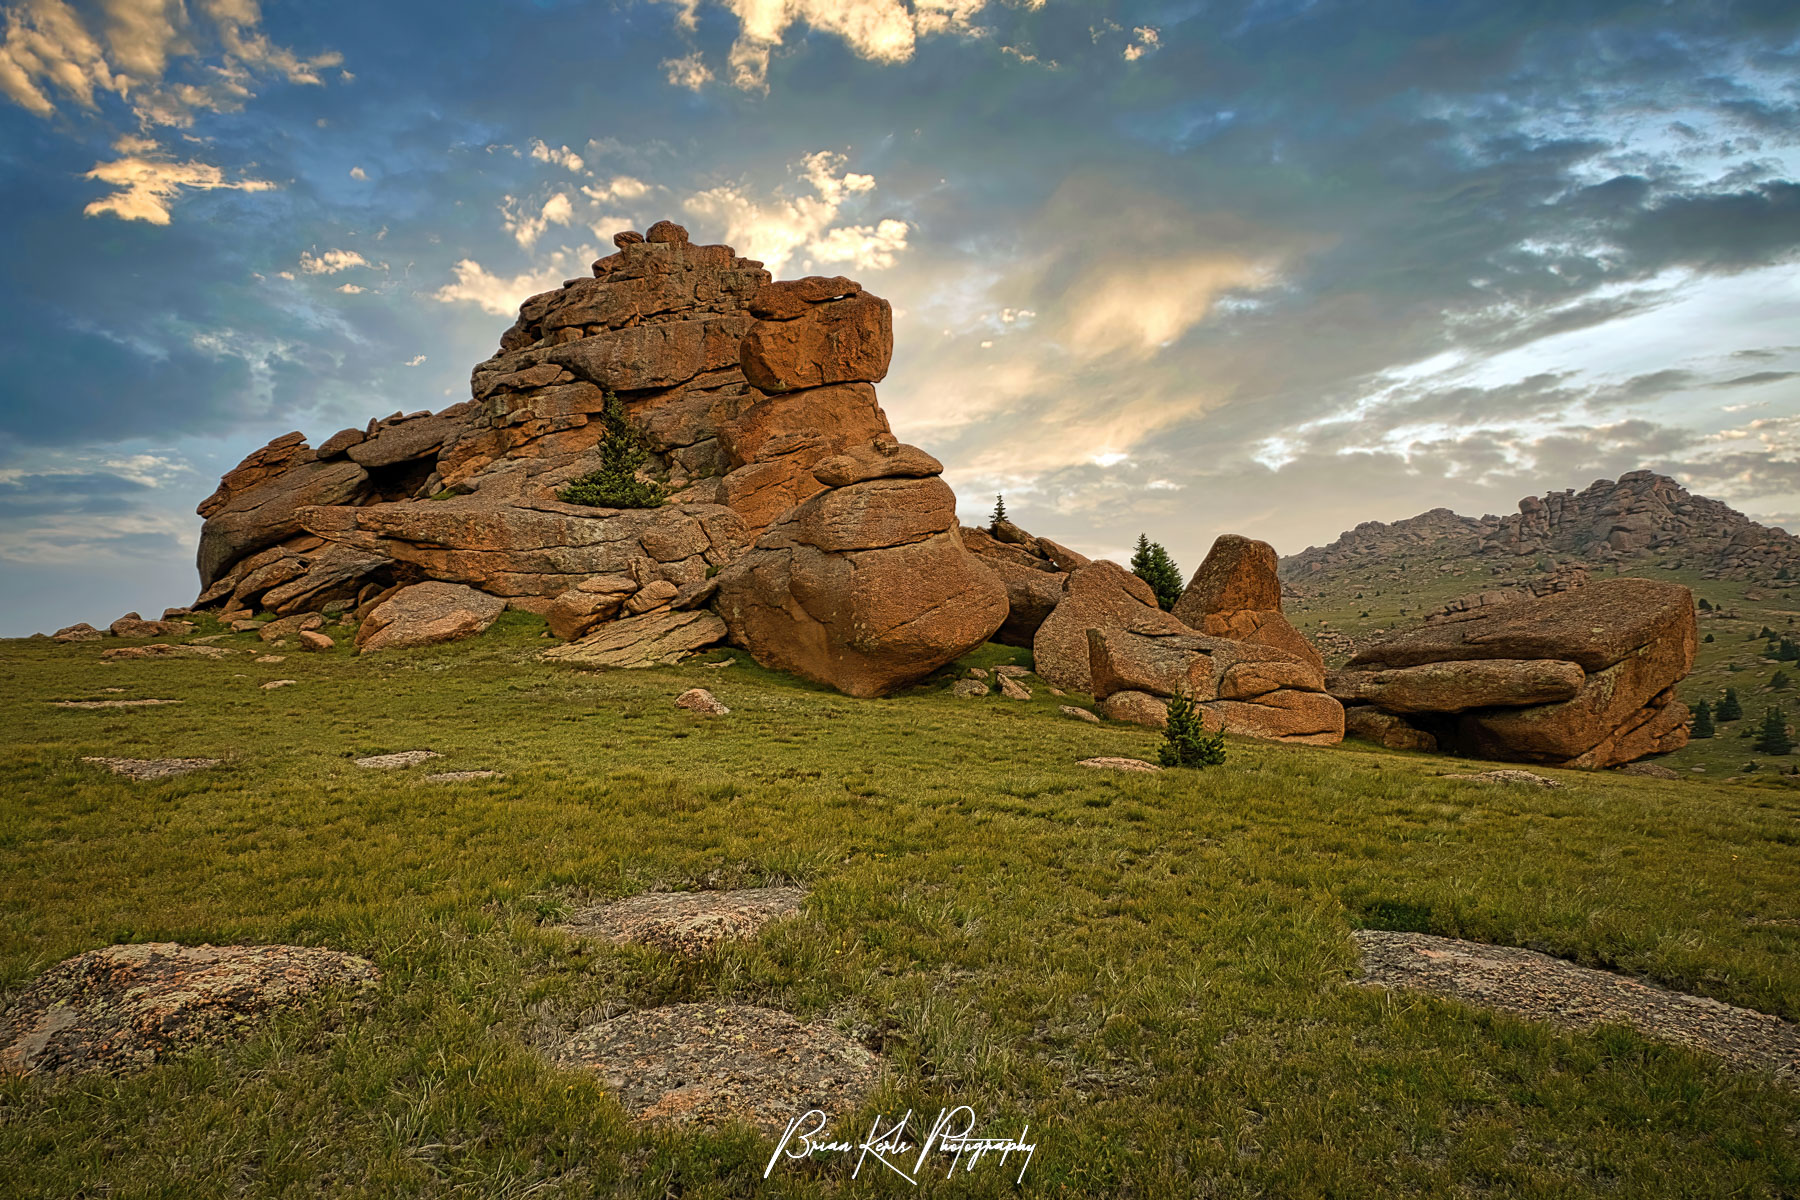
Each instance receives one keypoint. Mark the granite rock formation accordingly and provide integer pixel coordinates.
(1581, 678)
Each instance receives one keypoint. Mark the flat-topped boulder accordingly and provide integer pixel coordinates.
(1579, 678)
(426, 614)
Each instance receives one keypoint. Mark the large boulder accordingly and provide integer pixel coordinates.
(1033, 573)
(814, 332)
(426, 614)
(866, 586)
(1241, 687)
(1581, 678)
(1236, 595)
(1100, 595)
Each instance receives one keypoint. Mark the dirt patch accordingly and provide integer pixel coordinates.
(1540, 988)
(1508, 775)
(396, 762)
(122, 1007)
(708, 1064)
(153, 768)
(689, 923)
(110, 703)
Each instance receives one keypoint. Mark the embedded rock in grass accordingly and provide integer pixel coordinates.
(689, 923)
(1012, 689)
(278, 683)
(281, 627)
(152, 768)
(81, 632)
(111, 703)
(712, 1064)
(1648, 771)
(1079, 714)
(1138, 708)
(161, 650)
(969, 689)
(123, 1007)
(1580, 678)
(1118, 764)
(1537, 987)
(312, 639)
(652, 640)
(1527, 778)
(699, 700)
(426, 614)
(395, 762)
(462, 776)
(133, 626)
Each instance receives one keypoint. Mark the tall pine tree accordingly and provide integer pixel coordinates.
(1703, 721)
(1152, 564)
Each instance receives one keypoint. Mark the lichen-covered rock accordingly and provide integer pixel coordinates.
(655, 639)
(426, 614)
(1457, 686)
(123, 1007)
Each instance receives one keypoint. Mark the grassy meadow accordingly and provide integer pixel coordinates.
(1154, 972)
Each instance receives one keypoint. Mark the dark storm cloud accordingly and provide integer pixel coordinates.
(92, 493)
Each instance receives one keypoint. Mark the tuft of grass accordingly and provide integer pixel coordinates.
(1152, 971)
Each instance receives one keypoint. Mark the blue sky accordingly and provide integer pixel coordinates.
(1267, 266)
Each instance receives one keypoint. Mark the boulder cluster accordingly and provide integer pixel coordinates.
(1581, 678)
(797, 528)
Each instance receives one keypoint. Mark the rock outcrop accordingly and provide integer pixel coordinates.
(1034, 571)
(1241, 687)
(1098, 595)
(866, 586)
(1236, 595)
(1582, 678)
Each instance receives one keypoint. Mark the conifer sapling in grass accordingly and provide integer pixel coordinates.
(1773, 738)
(1729, 708)
(615, 484)
(1703, 721)
(1185, 740)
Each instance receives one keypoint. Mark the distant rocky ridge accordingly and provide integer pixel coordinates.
(1610, 523)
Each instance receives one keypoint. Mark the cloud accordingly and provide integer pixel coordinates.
(562, 156)
(1144, 40)
(358, 174)
(416, 360)
(331, 262)
(883, 31)
(146, 179)
(351, 289)
(527, 226)
(51, 49)
(1757, 379)
(621, 187)
(784, 227)
(690, 72)
(474, 284)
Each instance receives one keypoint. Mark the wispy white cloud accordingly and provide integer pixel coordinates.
(331, 262)
(561, 156)
(690, 71)
(782, 228)
(145, 180)
(1144, 40)
(475, 284)
(527, 225)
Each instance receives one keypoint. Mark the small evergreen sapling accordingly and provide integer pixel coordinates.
(1185, 740)
(1152, 564)
(999, 513)
(1703, 721)
(615, 484)
(1729, 708)
(1773, 738)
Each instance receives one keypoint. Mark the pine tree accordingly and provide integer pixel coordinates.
(1707, 638)
(1773, 738)
(1185, 740)
(1787, 651)
(999, 513)
(1152, 564)
(1705, 606)
(1780, 682)
(615, 484)
(1729, 708)
(1703, 721)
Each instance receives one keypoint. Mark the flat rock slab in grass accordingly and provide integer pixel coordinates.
(1118, 764)
(689, 923)
(164, 651)
(461, 776)
(1540, 988)
(394, 762)
(1507, 775)
(111, 703)
(122, 1007)
(707, 1064)
(153, 768)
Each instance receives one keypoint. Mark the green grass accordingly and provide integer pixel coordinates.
(1153, 971)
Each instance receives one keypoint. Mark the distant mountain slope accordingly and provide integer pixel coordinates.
(1641, 516)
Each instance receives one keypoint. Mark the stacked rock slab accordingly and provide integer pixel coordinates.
(867, 585)
(1583, 678)
(1236, 594)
